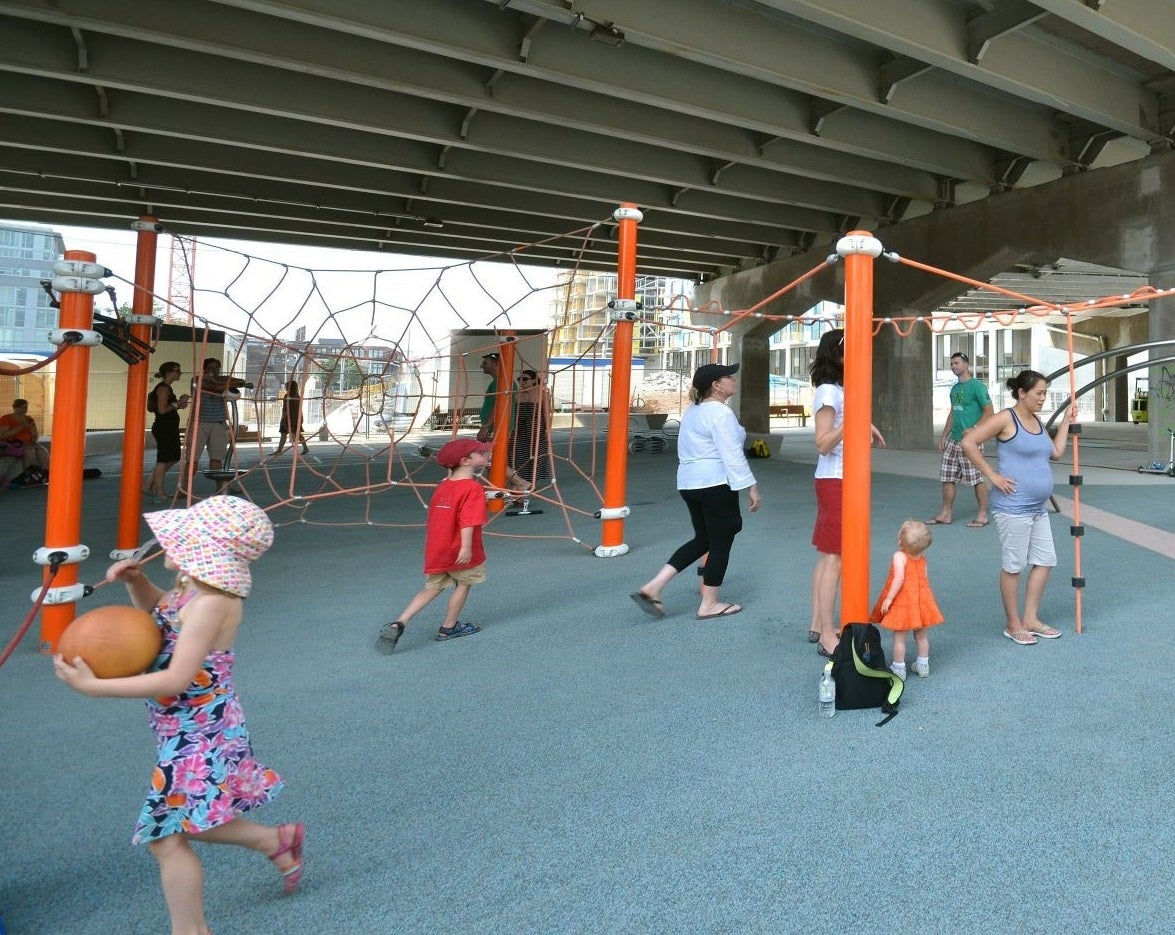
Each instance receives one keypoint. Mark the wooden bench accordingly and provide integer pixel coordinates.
(788, 411)
(446, 419)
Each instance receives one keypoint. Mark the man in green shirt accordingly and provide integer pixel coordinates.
(970, 405)
(489, 366)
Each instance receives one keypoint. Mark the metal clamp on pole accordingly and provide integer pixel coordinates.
(84, 337)
(143, 320)
(80, 268)
(61, 555)
(611, 551)
(623, 310)
(614, 512)
(78, 284)
(68, 594)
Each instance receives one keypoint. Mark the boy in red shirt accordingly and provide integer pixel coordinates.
(452, 542)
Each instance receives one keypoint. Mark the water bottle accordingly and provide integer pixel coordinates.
(827, 692)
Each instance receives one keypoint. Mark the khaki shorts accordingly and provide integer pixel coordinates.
(214, 436)
(442, 579)
(1024, 540)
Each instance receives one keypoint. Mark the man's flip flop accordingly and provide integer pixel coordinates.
(650, 605)
(938, 522)
(976, 524)
(1048, 633)
(728, 611)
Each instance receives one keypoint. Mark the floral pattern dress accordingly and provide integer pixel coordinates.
(205, 774)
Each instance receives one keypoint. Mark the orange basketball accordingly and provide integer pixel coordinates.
(115, 641)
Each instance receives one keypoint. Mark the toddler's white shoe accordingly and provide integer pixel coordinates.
(921, 669)
(898, 669)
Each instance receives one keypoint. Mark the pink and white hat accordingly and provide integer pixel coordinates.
(215, 540)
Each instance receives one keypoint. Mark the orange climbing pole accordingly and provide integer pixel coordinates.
(858, 248)
(63, 513)
(137, 378)
(616, 454)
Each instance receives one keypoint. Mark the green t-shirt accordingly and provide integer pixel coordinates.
(488, 404)
(968, 400)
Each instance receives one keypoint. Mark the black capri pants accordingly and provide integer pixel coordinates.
(714, 512)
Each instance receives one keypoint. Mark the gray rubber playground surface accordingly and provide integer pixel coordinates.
(578, 767)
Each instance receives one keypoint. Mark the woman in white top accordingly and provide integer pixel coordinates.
(712, 469)
(827, 371)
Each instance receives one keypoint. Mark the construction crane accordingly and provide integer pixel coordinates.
(181, 277)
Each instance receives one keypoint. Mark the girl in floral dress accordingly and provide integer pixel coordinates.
(205, 777)
(907, 604)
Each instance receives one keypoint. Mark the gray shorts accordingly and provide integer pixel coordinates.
(1024, 540)
(210, 435)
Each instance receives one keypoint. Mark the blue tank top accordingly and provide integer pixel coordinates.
(1025, 457)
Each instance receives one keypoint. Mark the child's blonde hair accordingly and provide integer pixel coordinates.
(914, 537)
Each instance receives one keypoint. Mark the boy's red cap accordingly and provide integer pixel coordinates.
(454, 452)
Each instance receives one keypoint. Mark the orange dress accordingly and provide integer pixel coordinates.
(914, 607)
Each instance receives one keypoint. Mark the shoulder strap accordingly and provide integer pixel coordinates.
(896, 685)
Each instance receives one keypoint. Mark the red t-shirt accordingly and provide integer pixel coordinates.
(455, 504)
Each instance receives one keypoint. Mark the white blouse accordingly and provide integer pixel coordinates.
(710, 449)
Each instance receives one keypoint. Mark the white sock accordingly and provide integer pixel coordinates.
(923, 660)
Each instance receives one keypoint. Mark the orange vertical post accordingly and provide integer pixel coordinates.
(858, 248)
(503, 404)
(63, 514)
(616, 453)
(135, 417)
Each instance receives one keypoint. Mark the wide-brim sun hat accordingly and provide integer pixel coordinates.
(215, 540)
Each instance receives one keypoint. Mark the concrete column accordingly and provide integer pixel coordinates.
(1118, 393)
(1161, 383)
(753, 386)
(903, 404)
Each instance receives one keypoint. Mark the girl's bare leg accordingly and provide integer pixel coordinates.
(899, 646)
(183, 884)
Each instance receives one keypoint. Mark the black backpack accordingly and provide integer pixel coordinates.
(862, 679)
(153, 402)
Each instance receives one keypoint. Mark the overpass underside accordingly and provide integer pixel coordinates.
(1122, 217)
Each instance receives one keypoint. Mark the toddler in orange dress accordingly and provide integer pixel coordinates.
(906, 604)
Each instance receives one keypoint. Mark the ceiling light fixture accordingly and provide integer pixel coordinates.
(609, 35)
